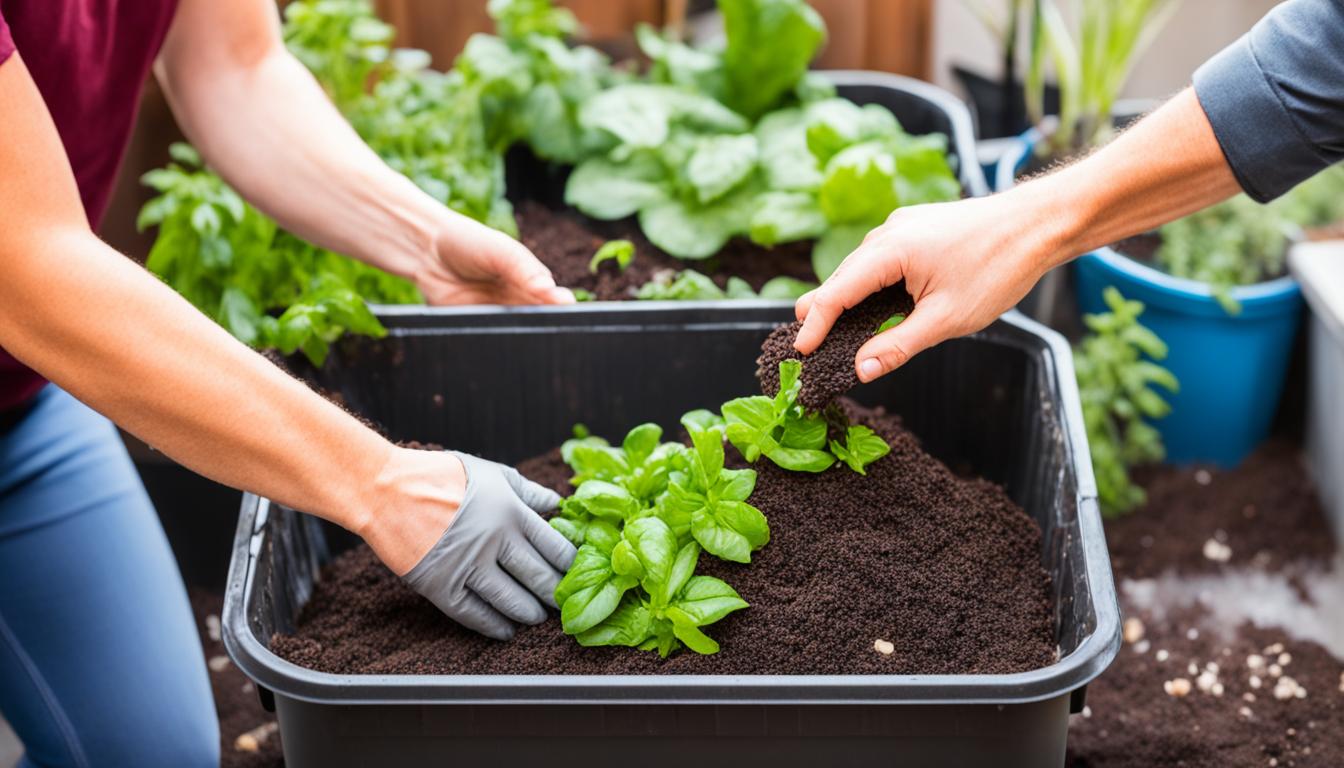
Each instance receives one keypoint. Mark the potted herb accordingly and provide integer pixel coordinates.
(732, 172)
(1217, 291)
(1090, 60)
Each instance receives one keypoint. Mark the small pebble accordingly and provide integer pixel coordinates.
(212, 627)
(1142, 647)
(1218, 689)
(1203, 477)
(1245, 712)
(1192, 668)
(1255, 681)
(1285, 659)
(1273, 761)
(1206, 681)
(1217, 551)
(1255, 661)
(1192, 634)
(1087, 711)
(1287, 688)
(1162, 655)
(1274, 649)
(1178, 687)
(1132, 630)
(218, 663)
(1275, 670)
(253, 739)
(1248, 697)
(884, 647)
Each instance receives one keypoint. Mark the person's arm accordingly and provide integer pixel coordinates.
(1263, 115)
(121, 341)
(967, 262)
(264, 124)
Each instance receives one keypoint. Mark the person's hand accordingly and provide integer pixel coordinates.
(474, 264)
(964, 263)
(466, 534)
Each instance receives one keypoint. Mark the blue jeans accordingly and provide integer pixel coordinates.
(100, 663)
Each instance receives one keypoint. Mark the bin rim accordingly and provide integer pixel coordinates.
(1091, 657)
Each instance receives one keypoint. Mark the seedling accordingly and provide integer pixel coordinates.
(1116, 387)
(620, 251)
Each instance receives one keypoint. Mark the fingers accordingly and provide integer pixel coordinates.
(475, 614)
(528, 281)
(528, 567)
(892, 348)
(538, 497)
(505, 595)
(864, 272)
(550, 543)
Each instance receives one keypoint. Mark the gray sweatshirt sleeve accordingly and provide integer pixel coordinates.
(1275, 97)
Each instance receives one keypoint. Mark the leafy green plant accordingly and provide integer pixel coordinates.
(1117, 387)
(1240, 242)
(263, 285)
(1091, 61)
(644, 511)
(688, 285)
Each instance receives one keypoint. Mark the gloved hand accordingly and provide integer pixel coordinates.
(498, 560)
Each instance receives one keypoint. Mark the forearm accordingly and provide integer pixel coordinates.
(131, 348)
(269, 130)
(1165, 167)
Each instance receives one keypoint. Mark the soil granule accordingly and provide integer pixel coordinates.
(829, 371)
(1267, 515)
(565, 241)
(946, 569)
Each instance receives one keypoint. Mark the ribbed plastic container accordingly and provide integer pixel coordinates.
(1001, 404)
(1319, 268)
(1231, 367)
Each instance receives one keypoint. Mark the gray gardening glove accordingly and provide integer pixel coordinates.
(498, 560)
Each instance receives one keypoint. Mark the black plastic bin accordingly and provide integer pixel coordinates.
(1001, 404)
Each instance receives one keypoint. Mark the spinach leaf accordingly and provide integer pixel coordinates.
(620, 251)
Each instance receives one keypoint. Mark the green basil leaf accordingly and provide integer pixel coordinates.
(730, 530)
(708, 460)
(607, 500)
(804, 432)
(631, 624)
(689, 634)
(862, 447)
(575, 530)
(736, 484)
(682, 570)
(594, 460)
(705, 600)
(603, 536)
(702, 420)
(640, 442)
(624, 561)
(801, 459)
(656, 547)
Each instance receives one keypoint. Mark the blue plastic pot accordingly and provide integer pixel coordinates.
(1231, 367)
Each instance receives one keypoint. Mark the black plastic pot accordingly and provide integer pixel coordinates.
(1001, 404)
(1000, 111)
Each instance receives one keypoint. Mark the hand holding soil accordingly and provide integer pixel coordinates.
(829, 371)
(964, 264)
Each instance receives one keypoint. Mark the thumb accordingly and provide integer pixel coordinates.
(893, 348)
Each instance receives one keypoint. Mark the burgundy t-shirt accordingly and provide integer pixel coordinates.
(90, 60)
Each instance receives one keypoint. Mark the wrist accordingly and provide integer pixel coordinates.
(1060, 217)
(409, 503)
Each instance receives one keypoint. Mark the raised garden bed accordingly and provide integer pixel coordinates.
(1013, 382)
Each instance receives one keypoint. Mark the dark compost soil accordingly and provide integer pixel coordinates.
(1267, 516)
(236, 701)
(945, 568)
(829, 371)
(565, 241)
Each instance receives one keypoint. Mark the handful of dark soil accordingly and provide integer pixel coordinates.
(829, 371)
(909, 570)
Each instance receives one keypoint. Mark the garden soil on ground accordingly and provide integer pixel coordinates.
(1209, 552)
(565, 241)
(240, 711)
(946, 569)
